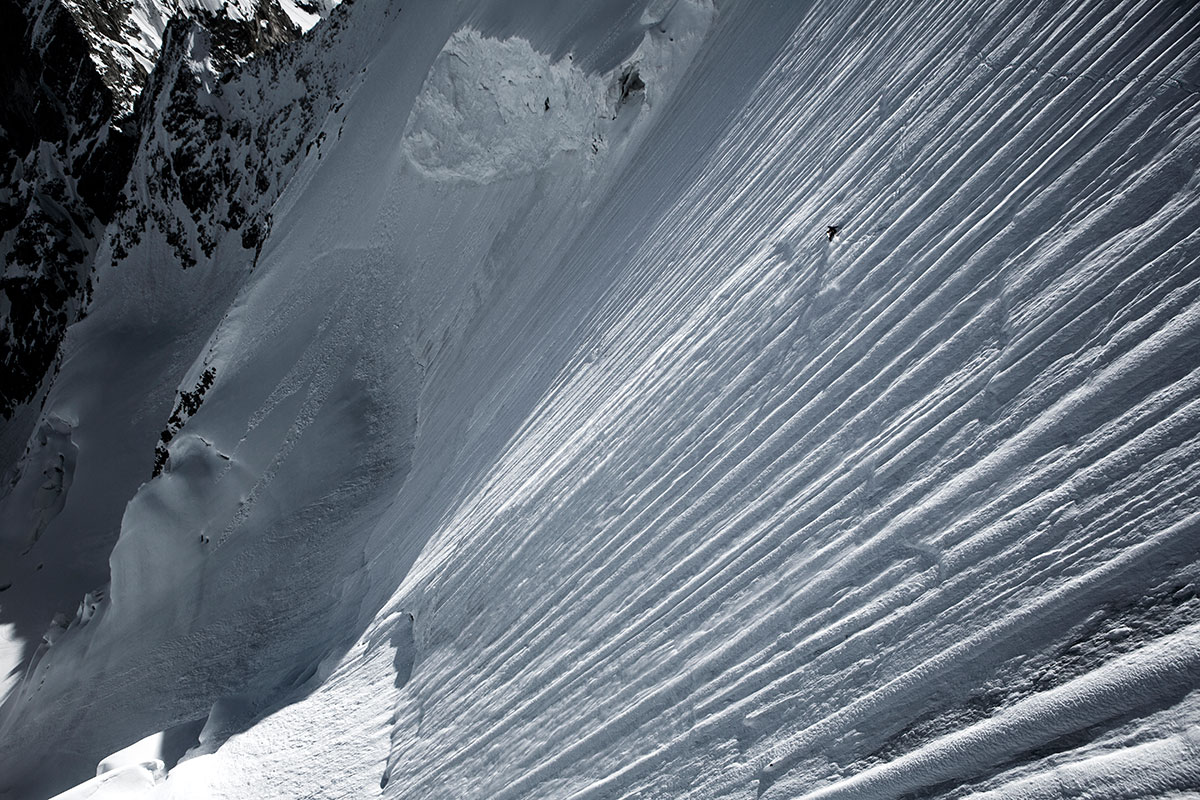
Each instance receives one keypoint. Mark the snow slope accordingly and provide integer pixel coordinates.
(555, 452)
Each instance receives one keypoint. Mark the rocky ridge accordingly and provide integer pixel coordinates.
(217, 147)
(60, 157)
(125, 37)
(71, 126)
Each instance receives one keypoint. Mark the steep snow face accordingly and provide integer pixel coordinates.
(188, 190)
(384, 305)
(566, 456)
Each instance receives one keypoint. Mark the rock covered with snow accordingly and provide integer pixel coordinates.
(125, 37)
(73, 70)
(61, 164)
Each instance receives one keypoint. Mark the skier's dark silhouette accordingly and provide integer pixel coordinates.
(547, 103)
(832, 231)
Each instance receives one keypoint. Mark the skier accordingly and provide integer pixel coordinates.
(832, 231)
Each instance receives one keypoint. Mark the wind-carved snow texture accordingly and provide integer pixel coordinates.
(607, 474)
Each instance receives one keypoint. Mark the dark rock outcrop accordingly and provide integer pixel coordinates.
(124, 49)
(216, 148)
(70, 75)
(62, 164)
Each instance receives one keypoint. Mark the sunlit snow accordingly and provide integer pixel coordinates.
(554, 449)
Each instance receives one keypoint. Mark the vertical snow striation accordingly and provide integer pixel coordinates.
(907, 506)
(558, 449)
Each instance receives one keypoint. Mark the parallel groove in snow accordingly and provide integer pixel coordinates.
(700, 504)
(763, 504)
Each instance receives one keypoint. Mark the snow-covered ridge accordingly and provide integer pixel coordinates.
(73, 70)
(126, 36)
(537, 469)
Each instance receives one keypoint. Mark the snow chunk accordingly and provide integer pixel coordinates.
(143, 752)
(492, 108)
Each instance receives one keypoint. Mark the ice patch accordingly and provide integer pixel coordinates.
(492, 108)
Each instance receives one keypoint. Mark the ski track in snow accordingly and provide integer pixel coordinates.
(695, 503)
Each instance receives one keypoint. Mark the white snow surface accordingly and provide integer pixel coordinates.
(558, 453)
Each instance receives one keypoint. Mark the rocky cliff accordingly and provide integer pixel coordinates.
(72, 73)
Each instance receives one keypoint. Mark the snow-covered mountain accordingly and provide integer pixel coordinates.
(125, 36)
(640, 398)
(72, 71)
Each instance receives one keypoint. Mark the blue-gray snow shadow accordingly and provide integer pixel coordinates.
(42, 573)
(406, 650)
